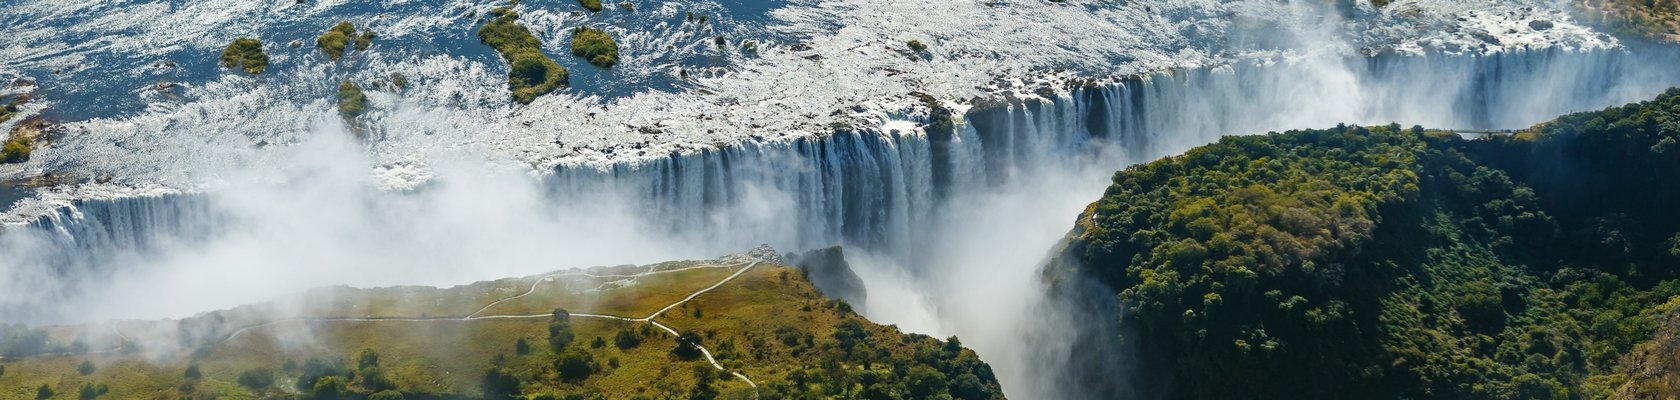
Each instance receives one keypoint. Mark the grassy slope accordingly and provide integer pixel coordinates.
(448, 358)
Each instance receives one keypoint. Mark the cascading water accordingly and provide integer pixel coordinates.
(949, 229)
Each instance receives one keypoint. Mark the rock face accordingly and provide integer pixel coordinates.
(828, 270)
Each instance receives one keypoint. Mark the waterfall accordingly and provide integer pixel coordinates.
(892, 189)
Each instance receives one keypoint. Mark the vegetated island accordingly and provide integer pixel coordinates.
(739, 327)
(337, 40)
(530, 72)
(595, 46)
(1381, 262)
(245, 54)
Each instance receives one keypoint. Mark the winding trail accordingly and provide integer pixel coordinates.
(545, 278)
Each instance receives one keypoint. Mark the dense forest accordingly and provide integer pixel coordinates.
(1382, 262)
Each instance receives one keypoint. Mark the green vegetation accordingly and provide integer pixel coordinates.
(337, 40)
(531, 73)
(595, 46)
(769, 324)
(1383, 262)
(245, 54)
(591, 5)
(351, 102)
(917, 46)
(16, 149)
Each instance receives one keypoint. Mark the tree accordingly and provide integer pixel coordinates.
(387, 395)
(500, 384)
(85, 368)
(560, 330)
(627, 339)
(575, 365)
(522, 347)
(704, 376)
(256, 378)
(329, 388)
(91, 391)
(367, 358)
(192, 371)
(688, 346)
(43, 392)
(924, 382)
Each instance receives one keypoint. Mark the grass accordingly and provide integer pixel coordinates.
(740, 322)
(530, 73)
(595, 46)
(245, 54)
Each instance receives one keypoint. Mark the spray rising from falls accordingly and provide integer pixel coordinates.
(947, 229)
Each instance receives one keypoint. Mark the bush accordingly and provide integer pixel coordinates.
(329, 388)
(627, 339)
(246, 54)
(387, 395)
(256, 378)
(560, 330)
(591, 5)
(192, 371)
(917, 46)
(91, 391)
(85, 368)
(530, 73)
(575, 365)
(43, 392)
(595, 46)
(688, 346)
(351, 102)
(365, 40)
(336, 39)
(500, 384)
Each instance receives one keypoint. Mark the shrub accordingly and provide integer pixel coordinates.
(575, 365)
(522, 347)
(627, 339)
(591, 5)
(85, 368)
(15, 150)
(500, 384)
(256, 378)
(917, 46)
(531, 73)
(560, 330)
(329, 388)
(192, 371)
(688, 346)
(351, 102)
(43, 392)
(595, 46)
(246, 54)
(365, 40)
(91, 391)
(336, 39)
(387, 395)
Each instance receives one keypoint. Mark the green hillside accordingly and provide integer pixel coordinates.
(627, 332)
(1381, 262)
